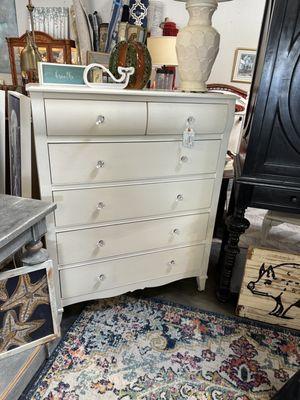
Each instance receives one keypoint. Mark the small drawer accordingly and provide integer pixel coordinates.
(76, 163)
(279, 199)
(91, 117)
(92, 206)
(102, 276)
(171, 119)
(95, 243)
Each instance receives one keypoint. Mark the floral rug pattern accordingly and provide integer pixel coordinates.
(129, 349)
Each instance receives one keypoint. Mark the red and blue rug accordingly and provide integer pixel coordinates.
(130, 349)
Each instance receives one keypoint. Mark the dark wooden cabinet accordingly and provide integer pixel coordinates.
(267, 168)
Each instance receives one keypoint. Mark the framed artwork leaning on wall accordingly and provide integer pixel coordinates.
(19, 138)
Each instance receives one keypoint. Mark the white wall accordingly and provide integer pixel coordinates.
(237, 21)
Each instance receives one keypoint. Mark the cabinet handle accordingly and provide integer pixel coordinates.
(100, 164)
(100, 206)
(101, 278)
(172, 263)
(101, 243)
(176, 231)
(294, 199)
(184, 159)
(100, 120)
(179, 197)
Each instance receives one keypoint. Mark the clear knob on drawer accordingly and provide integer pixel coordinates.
(184, 159)
(100, 120)
(100, 206)
(101, 277)
(101, 243)
(176, 231)
(172, 263)
(179, 197)
(100, 164)
(191, 120)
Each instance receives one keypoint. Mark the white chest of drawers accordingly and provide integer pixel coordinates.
(135, 208)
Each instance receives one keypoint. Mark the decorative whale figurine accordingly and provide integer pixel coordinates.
(121, 83)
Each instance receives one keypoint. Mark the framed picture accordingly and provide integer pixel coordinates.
(8, 27)
(243, 66)
(60, 74)
(98, 58)
(28, 309)
(2, 142)
(19, 138)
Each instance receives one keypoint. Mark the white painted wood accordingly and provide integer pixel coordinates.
(138, 190)
(166, 120)
(113, 274)
(90, 244)
(105, 162)
(71, 117)
(80, 207)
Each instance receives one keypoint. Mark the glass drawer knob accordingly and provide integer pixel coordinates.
(176, 231)
(184, 159)
(100, 206)
(191, 120)
(294, 199)
(100, 120)
(172, 263)
(101, 277)
(100, 164)
(101, 243)
(180, 197)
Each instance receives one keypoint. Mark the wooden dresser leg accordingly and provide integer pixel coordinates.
(236, 224)
(201, 284)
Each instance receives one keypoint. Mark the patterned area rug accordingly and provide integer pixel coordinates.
(136, 349)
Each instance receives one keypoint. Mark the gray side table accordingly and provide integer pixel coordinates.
(22, 223)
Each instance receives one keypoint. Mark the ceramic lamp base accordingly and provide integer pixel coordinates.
(197, 46)
(192, 86)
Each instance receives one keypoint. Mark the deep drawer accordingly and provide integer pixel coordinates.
(93, 278)
(95, 243)
(91, 206)
(76, 163)
(91, 117)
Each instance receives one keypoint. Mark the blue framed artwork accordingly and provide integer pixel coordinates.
(8, 27)
(60, 74)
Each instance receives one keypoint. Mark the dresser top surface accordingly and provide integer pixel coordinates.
(18, 215)
(151, 94)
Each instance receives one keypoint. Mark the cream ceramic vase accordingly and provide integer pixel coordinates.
(197, 46)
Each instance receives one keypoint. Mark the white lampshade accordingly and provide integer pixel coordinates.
(162, 50)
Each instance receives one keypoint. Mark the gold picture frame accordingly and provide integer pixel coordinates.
(243, 65)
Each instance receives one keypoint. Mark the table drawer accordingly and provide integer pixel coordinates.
(94, 243)
(91, 206)
(91, 117)
(276, 198)
(76, 163)
(93, 278)
(171, 119)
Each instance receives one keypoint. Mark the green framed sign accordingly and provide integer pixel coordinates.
(60, 74)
